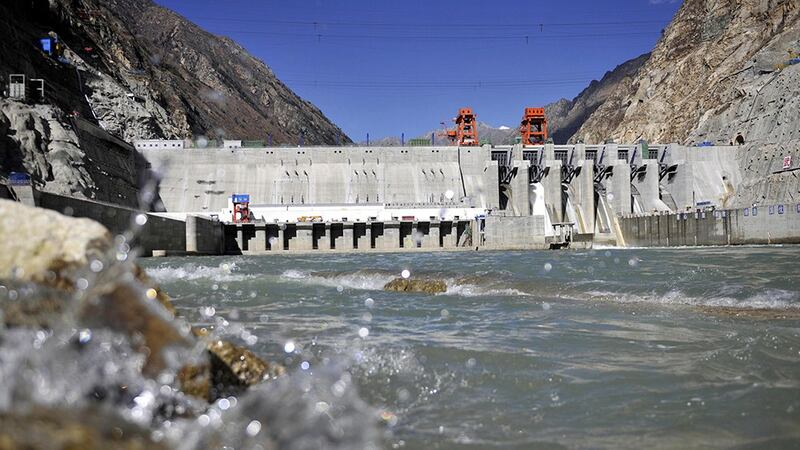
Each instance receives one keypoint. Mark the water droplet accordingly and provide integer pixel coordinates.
(208, 311)
(224, 404)
(322, 407)
(363, 332)
(204, 420)
(340, 288)
(548, 267)
(546, 306)
(84, 336)
(405, 273)
(633, 262)
(366, 317)
(141, 219)
(445, 314)
(251, 340)
(253, 428)
(288, 347)
(82, 284)
(449, 194)
(471, 362)
(369, 303)
(263, 318)
(151, 293)
(305, 365)
(403, 394)
(96, 265)
(610, 196)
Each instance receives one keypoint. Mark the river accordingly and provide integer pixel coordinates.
(606, 348)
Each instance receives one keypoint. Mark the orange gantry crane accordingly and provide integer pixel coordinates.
(466, 132)
(534, 127)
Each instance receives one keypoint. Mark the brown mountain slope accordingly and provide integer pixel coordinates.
(151, 73)
(706, 78)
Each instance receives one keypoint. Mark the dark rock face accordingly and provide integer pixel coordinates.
(150, 73)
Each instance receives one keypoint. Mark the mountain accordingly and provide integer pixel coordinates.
(718, 70)
(566, 117)
(149, 73)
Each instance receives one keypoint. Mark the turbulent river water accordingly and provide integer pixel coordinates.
(581, 349)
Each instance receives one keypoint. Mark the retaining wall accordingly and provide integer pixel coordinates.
(771, 224)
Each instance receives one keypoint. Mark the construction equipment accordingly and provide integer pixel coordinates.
(465, 133)
(533, 127)
(241, 208)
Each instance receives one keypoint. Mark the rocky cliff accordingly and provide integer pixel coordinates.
(149, 73)
(717, 71)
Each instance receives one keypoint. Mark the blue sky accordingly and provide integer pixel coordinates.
(386, 68)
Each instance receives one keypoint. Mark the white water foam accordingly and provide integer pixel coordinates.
(359, 280)
(776, 299)
(225, 272)
(473, 290)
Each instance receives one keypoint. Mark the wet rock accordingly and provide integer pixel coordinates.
(31, 305)
(46, 247)
(125, 308)
(56, 429)
(416, 285)
(229, 371)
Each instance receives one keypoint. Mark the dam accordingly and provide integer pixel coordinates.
(449, 197)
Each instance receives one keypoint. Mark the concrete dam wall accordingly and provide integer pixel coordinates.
(199, 180)
(571, 190)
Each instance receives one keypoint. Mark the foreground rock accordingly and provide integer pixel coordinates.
(46, 247)
(90, 328)
(89, 429)
(415, 285)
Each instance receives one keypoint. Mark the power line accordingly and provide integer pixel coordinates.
(532, 25)
(321, 36)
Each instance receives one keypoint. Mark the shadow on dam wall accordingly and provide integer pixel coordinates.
(196, 235)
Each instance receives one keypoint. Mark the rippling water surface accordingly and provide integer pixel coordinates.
(606, 348)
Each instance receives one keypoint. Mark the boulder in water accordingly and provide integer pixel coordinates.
(416, 285)
(229, 371)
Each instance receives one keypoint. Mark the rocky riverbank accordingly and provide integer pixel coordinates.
(93, 356)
